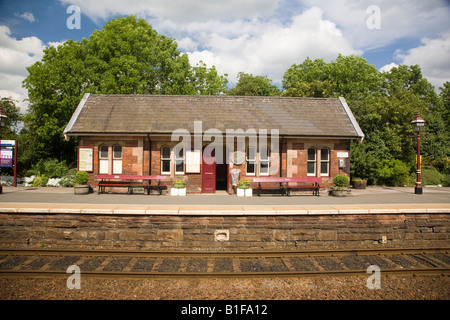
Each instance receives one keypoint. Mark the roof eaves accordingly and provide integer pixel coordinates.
(350, 115)
(75, 116)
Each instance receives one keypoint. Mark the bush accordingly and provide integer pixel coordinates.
(180, 184)
(40, 181)
(431, 177)
(81, 178)
(340, 181)
(244, 184)
(393, 173)
(51, 168)
(68, 180)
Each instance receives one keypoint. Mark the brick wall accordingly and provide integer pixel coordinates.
(138, 151)
(167, 232)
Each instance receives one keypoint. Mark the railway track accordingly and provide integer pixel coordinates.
(138, 264)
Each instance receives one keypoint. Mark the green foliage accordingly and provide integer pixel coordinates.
(431, 177)
(13, 117)
(126, 57)
(81, 178)
(68, 180)
(179, 184)
(249, 85)
(51, 168)
(244, 184)
(393, 173)
(40, 181)
(340, 181)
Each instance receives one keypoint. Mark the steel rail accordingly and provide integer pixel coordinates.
(137, 253)
(165, 275)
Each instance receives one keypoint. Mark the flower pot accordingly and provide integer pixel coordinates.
(339, 193)
(177, 191)
(82, 189)
(240, 192)
(360, 184)
(248, 192)
(182, 192)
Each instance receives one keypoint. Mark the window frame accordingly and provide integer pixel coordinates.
(102, 159)
(327, 161)
(308, 161)
(250, 161)
(117, 161)
(182, 160)
(261, 161)
(166, 159)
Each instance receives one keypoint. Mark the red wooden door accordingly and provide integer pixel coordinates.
(209, 173)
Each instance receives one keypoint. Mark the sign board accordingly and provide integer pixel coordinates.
(6, 157)
(193, 161)
(342, 154)
(85, 159)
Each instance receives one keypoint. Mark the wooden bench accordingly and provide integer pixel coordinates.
(129, 181)
(283, 184)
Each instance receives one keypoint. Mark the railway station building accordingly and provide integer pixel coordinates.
(202, 139)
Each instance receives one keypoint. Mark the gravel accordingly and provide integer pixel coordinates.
(393, 287)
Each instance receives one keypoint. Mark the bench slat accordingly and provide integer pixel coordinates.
(287, 179)
(129, 177)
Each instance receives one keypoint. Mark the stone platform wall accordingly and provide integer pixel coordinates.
(217, 233)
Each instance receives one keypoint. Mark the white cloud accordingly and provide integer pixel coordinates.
(15, 57)
(433, 56)
(269, 47)
(27, 16)
(399, 19)
(181, 11)
(388, 67)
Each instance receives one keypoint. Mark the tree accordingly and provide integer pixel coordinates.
(126, 57)
(11, 125)
(384, 103)
(249, 85)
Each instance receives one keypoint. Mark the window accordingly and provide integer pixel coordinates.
(179, 160)
(251, 161)
(311, 162)
(324, 162)
(117, 159)
(264, 155)
(165, 160)
(103, 159)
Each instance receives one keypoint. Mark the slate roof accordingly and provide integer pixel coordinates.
(162, 114)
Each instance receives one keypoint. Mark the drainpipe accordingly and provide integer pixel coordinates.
(281, 155)
(150, 155)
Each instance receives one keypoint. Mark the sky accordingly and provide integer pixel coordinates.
(259, 37)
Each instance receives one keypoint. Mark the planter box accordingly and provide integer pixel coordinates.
(177, 191)
(83, 189)
(339, 193)
(244, 192)
(360, 184)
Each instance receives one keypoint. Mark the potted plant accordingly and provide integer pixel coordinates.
(179, 188)
(359, 183)
(244, 189)
(339, 189)
(81, 183)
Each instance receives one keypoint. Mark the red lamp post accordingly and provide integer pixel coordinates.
(418, 124)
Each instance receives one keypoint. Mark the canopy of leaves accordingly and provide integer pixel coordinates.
(126, 57)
